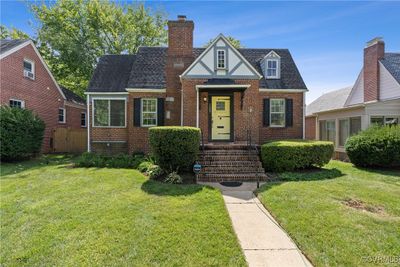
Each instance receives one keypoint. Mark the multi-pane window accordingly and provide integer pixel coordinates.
(14, 103)
(29, 69)
(385, 120)
(220, 105)
(277, 112)
(327, 131)
(108, 112)
(221, 59)
(347, 128)
(83, 119)
(61, 115)
(272, 68)
(149, 112)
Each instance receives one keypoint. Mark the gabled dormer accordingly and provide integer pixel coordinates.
(271, 65)
(221, 60)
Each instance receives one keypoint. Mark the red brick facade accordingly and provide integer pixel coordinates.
(310, 124)
(372, 54)
(40, 95)
(180, 102)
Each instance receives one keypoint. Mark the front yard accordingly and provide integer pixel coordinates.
(341, 216)
(58, 215)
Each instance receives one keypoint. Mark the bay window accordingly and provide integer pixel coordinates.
(109, 113)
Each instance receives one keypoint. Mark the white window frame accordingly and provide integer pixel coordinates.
(83, 126)
(270, 113)
(17, 100)
(276, 76)
(224, 53)
(64, 115)
(109, 114)
(32, 70)
(141, 112)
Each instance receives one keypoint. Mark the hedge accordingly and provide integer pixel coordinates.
(21, 133)
(174, 148)
(288, 155)
(377, 146)
(89, 159)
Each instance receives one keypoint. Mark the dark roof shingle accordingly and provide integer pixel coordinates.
(147, 70)
(111, 74)
(72, 97)
(6, 44)
(391, 61)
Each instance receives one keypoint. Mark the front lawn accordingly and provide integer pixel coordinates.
(53, 214)
(340, 216)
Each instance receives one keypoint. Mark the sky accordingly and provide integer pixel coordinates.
(326, 39)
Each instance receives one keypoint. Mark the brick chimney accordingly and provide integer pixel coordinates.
(180, 37)
(373, 52)
(179, 58)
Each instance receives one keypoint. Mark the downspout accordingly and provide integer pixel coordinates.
(197, 107)
(88, 122)
(181, 106)
(304, 115)
(180, 79)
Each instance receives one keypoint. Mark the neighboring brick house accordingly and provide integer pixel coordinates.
(229, 93)
(374, 98)
(26, 82)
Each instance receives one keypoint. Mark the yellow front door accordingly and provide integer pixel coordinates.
(220, 118)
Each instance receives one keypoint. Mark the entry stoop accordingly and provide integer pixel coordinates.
(230, 162)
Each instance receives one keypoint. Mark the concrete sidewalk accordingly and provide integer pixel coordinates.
(263, 241)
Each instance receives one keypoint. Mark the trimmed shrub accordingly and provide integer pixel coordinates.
(376, 146)
(21, 133)
(173, 178)
(88, 159)
(174, 148)
(288, 155)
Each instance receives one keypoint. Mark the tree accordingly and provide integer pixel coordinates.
(75, 33)
(233, 41)
(12, 33)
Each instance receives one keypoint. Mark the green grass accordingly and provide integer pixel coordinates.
(311, 207)
(53, 214)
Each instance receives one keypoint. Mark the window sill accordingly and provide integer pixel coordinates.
(277, 126)
(62, 122)
(109, 127)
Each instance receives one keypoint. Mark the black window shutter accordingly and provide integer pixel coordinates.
(289, 112)
(266, 112)
(137, 110)
(160, 112)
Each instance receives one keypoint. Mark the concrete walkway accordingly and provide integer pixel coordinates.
(263, 241)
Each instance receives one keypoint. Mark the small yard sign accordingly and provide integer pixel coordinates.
(196, 168)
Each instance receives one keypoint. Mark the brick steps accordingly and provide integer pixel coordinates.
(245, 177)
(233, 162)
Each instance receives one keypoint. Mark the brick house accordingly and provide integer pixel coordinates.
(231, 94)
(374, 98)
(26, 82)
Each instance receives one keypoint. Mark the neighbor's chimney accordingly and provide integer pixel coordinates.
(180, 37)
(373, 52)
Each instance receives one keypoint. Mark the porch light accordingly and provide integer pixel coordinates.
(205, 99)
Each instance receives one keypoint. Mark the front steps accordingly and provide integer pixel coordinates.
(231, 162)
